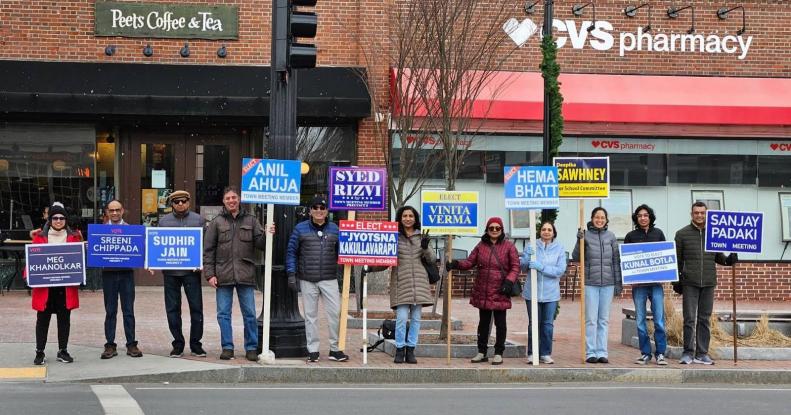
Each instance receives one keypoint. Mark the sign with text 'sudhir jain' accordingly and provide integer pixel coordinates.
(734, 231)
(358, 188)
(446, 212)
(649, 262)
(368, 243)
(531, 187)
(583, 177)
(116, 246)
(55, 265)
(271, 181)
(174, 248)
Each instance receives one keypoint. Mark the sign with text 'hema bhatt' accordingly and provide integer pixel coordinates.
(358, 188)
(271, 181)
(734, 231)
(55, 265)
(531, 187)
(583, 177)
(449, 212)
(116, 246)
(174, 248)
(649, 262)
(368, 243)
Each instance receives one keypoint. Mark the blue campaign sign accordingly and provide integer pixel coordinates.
(55, 265)
(116, 246)
(271, 181)
(449, 212)
(358, 188)
(649, 262)
(174, 248)
(531, 187)
(734, 231)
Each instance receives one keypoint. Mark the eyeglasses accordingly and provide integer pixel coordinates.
(319, 207)
(495, 228)
(181, 201)
(58, 218)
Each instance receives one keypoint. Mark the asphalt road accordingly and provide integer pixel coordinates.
(194, 399)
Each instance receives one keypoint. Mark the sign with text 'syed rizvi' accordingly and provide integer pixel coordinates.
(734, 231)
(358, 188)
(583, 177)
(531, 187)
(55, 265)
(446, 212)
(271, 181)
(368, 243)
(174, 248)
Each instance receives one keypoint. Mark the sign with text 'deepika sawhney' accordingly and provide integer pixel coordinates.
(368, 243)
(531, 187)
(445, 212)
(583, 177)
(734, 231)
(271, 181)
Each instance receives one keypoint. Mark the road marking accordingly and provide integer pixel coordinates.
(116, 400)
(739, 388)
(7, 373)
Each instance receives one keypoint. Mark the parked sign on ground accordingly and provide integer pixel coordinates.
(55, 265)
(271, 181)
(368, 243)
(734, 231)
(649, 262)
(358, 188)
(174, 248)
(116, 246)
(531, 187)
(449, 212)
(583, 177)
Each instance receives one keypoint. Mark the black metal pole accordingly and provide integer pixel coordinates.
(548, 5)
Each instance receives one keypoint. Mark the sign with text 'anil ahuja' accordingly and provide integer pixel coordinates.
(358, 188)
(734, 231)
(368, 243)
(583, 177)
(271, 181)
(55, 265)
(445, 212)
(531, 187)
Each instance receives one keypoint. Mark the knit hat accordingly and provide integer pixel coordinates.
(57, 209)
(494, 219)
(178, 194)
(318, 200)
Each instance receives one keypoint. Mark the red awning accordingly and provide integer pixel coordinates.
(518, 96)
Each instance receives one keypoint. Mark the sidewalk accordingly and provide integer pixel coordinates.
(87, 338)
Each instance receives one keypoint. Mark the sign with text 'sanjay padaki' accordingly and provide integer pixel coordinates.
(734, 231)
(649, 262)
(174, 248)
(116, 246)
(445, 212)
(531, 187)
(368, 243)
(55, 265)
(271, 181)
(358, 188)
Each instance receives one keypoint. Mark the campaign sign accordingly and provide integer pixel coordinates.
(583, 177)
(271, 181)
(649, 262)
(531, 187)
(734, 231)
(358, 188)
(174, 248)
(368, 243)
(116, 246)
(449, 212)
(55, 265)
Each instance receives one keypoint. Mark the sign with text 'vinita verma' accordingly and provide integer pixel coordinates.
(734, 231)
(649, 262)
(446, 212)
(271, 181)
(174, 248)
(116, 246)
(531, 187)
(55, 265)
(368, 243)
(358, 188)
(583, 177)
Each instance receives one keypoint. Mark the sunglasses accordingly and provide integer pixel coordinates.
(495, 228)
(181, 201)
(319, 207)
(58, 218)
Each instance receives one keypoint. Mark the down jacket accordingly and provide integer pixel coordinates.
(696, 266)
(40, 295)
(229, 248)
(484, 257)
(409, 280)
(602, 259)
(312, 252)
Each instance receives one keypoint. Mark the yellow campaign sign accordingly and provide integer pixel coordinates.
(583, 177)
(449, 212)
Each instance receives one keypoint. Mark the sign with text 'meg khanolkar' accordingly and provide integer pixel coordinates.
(174, 248)
(166, 20)
(55, 264)
(583, 177)
(368, 243)
(445, 212)
(116, 246)
(358, 188)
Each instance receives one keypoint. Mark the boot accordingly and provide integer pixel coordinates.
(410, 355)
(399, 356)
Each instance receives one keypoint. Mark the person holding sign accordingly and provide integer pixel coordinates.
(697, 280)
(643, 219)
(312, 258)
(550, 263)
(497, 263)
(602, 282)
(54, 300)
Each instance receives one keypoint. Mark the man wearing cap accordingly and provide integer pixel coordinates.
(182, 216)
(312, 257)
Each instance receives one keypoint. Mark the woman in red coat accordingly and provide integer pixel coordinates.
(497, 263)
(54, 300)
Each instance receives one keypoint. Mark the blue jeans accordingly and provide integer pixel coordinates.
(413, 313)
(246, 295)
(546, 321)
(597, 316)
(654, 293)
(115, 285)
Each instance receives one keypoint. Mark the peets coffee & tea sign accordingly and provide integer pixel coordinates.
(163, 20)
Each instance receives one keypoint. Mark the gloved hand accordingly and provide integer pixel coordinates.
(506, 287)
(618, 291)
(292, 282)
(528, 251)
(678, 288)
(536, 265)
(732, 259)
(451, 265)
(580, 233)
(424, 240)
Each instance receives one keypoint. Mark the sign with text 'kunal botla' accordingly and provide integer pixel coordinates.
(734, 231)
(446, 212)
(368, 243)
(55, 265)
(649, 262)
(116, 246)
(271, 181)
(358, 188)
(583, 177)
(166, 20)
(531, 187)
(174, 248)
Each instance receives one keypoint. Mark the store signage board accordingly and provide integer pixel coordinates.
(368, 243)
(531, 187)
(116, 246)
(174, 248)
(446, 212)
(55, 264)
(583, 177)
(650, 262)
(734, 231)
(358, 188)
(166, 20)
(271, 181)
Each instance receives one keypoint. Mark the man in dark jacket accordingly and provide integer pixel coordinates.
(312, 258)
(698, 279)
(181, 216)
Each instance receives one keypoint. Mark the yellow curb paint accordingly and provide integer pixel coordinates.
(22, 373)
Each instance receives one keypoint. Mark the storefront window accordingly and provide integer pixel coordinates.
(774, 171)
(712, 169)
(633, 169)
(321, 147)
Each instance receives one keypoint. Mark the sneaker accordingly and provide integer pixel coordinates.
(40, 358)
(227, 354)
(198, 352)
(479, 358)
(64, 356)
(592, 359)
(313, 357)
(703, 359)
(251, 355)
(338, 356)
(133, 351)
(686, 359)
(177, 352)
(642, 360)
(602, 360)
(109, 352)
(547, 360)
(497, 360)
(660, 360)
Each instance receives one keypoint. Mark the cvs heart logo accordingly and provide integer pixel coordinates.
(774, 146)
(780, 146)
(595, 143)
(519, 32)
